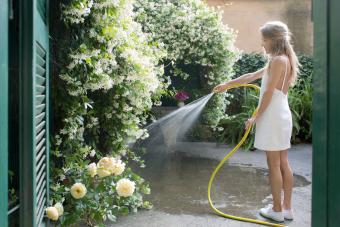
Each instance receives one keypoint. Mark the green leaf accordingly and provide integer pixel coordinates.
(111, 217)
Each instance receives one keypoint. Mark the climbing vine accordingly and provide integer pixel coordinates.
(108, 75)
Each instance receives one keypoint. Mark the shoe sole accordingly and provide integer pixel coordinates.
(289, 219)
(271, 218)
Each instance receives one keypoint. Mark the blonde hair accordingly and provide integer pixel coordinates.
(280, 37)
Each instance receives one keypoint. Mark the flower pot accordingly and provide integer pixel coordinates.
(180, 104)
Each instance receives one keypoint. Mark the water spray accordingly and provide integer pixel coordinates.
(175, 125)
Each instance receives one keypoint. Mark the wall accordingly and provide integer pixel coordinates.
(246, 16)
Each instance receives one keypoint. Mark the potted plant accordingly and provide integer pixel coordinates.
(181, 96)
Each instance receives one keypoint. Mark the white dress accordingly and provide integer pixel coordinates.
(274, 128)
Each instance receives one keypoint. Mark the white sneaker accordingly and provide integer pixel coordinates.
(288, 214)
(268, 212)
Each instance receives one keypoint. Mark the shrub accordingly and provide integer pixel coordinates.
(106, 79)
(194, 37)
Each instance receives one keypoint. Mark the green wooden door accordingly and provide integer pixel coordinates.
(34, 102)
(326, 112)
(3, 112)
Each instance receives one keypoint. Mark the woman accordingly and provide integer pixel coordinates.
(274, 120)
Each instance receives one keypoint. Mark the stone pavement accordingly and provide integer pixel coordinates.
(179, 182)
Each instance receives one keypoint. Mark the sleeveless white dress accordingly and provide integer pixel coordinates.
(274, 128)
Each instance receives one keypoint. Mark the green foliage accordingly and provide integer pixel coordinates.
(232, 128)
(200, 49)
(300, 102)
(249, 63)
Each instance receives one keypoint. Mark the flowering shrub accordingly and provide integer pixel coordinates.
(106, 80)
(193, 33)
(97, 197)
(181, 96)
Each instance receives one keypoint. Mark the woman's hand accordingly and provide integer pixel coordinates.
(219, 88)
(250, 122)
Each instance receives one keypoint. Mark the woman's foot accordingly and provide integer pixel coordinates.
(288, 214)
(268, 212)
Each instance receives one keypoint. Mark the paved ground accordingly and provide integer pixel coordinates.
(179, 182)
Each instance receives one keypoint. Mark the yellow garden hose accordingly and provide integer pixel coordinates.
(225, 159)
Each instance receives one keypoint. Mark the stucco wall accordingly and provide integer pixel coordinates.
(246, 16)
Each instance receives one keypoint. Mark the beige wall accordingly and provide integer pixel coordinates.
(246, 16)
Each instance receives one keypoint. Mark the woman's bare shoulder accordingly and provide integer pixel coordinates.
(278, 63)
(279, 60)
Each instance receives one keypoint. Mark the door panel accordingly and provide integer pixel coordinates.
(3, 112)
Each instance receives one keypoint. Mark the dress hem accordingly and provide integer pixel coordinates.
(271, 149)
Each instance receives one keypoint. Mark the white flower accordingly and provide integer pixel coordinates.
(52, 213)
(92, 169)
(125, 187)
(65, 169)
(107, 4)
(108, 115)
(123, 152)
(92, 153)
(62, 177)
(78, 190)
(59, 208)
(94, 120)
(58, 141)
(107, 83)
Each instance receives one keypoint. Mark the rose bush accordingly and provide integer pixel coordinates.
(107, 75)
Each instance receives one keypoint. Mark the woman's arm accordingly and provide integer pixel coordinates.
(247, 78)
(276, 70)
(244, 79)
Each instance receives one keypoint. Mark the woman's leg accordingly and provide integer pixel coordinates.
(288, 180)
(275, 178)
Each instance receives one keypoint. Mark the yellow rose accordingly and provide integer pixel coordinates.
(125, 187)
(103, 172)
(78, 190)
(59, 208)
(118, 167)
(92, 169)
(106, 163)
(52, 213)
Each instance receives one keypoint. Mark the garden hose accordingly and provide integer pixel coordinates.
(223, 161)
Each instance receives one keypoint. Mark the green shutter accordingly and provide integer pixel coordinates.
(3, 112)
(34, 105)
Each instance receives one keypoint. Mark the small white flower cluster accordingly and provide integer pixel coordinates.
(79, 10)
(93, 121)
(107, 4)
(102, 81)
(72, 129)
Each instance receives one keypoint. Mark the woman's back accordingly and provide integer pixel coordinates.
(285, 78)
